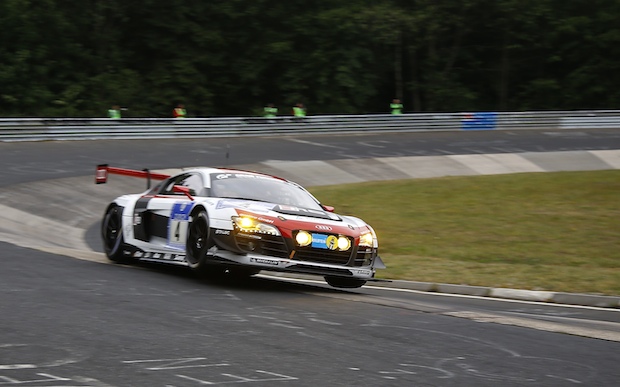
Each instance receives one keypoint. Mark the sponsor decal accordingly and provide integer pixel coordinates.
(222, 232)
(181, 210)
(264, 261)
(321, 241)
(363, 272)
(331, 242)
(323, 227)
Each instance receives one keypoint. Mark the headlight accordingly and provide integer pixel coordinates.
(343, 243)
(251, 225)
(367, 239)
(303, 238)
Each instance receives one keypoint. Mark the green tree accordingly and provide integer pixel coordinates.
(78, 57)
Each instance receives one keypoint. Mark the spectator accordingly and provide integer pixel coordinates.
(396, 106)
(179, 111)
(270, 111)
(299, 111)
(114, 112)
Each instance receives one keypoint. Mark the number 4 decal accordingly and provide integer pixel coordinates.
(178, 224)
(177, 233)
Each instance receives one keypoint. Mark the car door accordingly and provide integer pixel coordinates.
(167, 213)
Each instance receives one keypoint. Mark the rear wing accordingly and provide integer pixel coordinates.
(101, 176)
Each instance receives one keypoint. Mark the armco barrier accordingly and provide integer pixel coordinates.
(37, 129)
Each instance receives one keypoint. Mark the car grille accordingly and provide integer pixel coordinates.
(276, 246)
(323, 256)
(264, 244)
(364, 256)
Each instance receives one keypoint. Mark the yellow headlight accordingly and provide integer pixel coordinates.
(246, 222)
(343, 243)
(303, 238)
(366, 240)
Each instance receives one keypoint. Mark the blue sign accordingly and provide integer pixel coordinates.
(479, 121)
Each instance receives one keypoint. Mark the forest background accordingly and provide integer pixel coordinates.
(76, 58)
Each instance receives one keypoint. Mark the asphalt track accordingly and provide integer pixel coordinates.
(77, 322)
(309, 161)
(27, 162)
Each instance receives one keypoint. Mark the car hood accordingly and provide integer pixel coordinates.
(294, 217)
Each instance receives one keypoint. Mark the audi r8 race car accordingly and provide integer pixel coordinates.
(225, 220)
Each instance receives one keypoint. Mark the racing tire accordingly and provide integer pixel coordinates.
(199, 241)
(112, 234)
(347, 283)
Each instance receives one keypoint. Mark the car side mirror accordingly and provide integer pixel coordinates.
(327, 208)
(184, 190)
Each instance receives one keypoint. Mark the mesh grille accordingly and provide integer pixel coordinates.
(271, 245)
(364, 256)
(310, 254)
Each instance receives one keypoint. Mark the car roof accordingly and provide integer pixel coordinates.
(210, 170)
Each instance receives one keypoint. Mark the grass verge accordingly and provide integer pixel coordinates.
(555, 231)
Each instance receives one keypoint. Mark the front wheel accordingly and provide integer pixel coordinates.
(339, 282)
(112, 234)
(199, 241)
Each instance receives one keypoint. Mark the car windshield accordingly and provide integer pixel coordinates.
(261, 188)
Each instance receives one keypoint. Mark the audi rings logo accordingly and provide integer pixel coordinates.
(323, 227)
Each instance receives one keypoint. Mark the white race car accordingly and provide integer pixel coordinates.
(225, 220)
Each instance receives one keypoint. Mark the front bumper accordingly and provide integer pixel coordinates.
(264, 262)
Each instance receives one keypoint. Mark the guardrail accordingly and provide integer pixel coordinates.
(38, 129)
